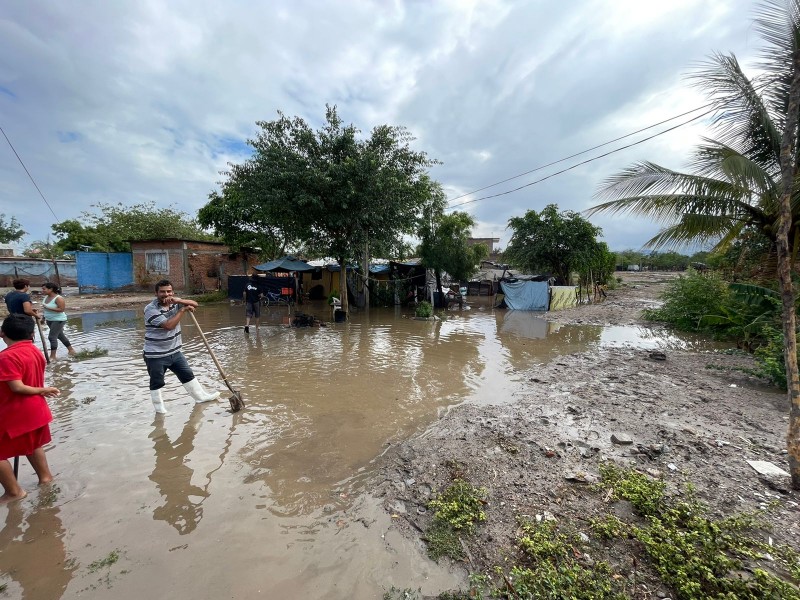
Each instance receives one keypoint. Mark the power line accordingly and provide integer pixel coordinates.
(582, 162)
(29, 174)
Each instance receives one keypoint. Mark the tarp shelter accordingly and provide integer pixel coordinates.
(526, 295)
(285, 264)
(563, 296)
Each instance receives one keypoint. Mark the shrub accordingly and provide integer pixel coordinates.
(424, 309)
(332, 295)
(770, 359)
(689, 298)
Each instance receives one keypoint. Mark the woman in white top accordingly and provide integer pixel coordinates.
(56, 318)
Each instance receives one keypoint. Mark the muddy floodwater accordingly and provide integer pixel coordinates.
(272, 501)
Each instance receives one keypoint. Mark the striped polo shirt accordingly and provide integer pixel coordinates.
(160, 342)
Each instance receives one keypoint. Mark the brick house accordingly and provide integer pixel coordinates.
(192, 266)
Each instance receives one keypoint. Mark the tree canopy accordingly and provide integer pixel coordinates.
(11, 231)
(116, 225)
(552, 242)
(328, 190)
(444, 246)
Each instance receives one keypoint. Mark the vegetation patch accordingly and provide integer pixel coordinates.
(87, 354)
(423, 310)
(218, 296)
(116, 322)
(107, 561)
(697, 556)
(457, 511)
(677, 545)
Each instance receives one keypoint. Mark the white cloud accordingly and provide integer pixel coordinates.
(135, 101)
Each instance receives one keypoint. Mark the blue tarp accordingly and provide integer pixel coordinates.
(285, 263)
(525, 295)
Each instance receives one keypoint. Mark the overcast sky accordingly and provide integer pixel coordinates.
(147, 101)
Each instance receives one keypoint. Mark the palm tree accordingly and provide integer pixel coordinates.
(747, 177)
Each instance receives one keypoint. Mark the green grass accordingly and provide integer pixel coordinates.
(87, 354)
(107, 561)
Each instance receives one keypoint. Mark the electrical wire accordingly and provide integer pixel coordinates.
(582, 162)
(555, 162)
(29, 175)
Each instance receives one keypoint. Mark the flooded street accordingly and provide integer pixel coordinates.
(272, 501)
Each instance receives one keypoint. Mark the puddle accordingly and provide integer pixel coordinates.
(269, 501)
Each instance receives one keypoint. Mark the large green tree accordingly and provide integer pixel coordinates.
(328, 189)
(11, 231)
(444, 246)
(746, 179)
(553, 243)
(110, 229)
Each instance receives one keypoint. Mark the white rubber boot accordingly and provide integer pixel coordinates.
(158, 402)
(197, 392)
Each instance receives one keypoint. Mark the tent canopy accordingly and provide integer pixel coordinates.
(285, 264)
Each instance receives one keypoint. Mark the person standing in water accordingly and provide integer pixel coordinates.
(162, 346)
(24, 414)
(54, 307)
(19, 300)
(252, 302)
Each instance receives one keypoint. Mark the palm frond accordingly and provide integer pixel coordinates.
(778, 23)
(743, 120)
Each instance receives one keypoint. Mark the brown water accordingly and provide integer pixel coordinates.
(273, 501)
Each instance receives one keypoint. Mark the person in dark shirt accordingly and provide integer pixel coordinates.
(252, 302)
(19, 301)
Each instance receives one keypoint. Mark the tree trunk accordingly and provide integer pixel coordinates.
(788, 169)
(343, 284)
(439, 288)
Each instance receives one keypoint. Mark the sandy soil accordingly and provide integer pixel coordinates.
(691, 418)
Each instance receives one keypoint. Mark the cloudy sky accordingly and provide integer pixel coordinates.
(147, 101)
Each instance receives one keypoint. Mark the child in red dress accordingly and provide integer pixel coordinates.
(24, 414)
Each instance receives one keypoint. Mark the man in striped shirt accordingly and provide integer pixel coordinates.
(162, 345)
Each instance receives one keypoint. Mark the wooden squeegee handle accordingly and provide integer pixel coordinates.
(210, 351)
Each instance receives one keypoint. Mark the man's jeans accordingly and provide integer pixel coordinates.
(176, 363)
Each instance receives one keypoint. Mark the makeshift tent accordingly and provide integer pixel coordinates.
(525, 295)
(285, 264)
(563, 296)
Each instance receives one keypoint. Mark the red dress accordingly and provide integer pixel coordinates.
(23, 419)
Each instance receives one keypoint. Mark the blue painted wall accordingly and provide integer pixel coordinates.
(104, 271)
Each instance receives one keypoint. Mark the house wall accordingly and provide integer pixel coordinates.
(191, 266)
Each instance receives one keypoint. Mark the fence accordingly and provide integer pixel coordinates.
(104, 271)
(37, 271)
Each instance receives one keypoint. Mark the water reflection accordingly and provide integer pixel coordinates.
(183, 501)
(32, 552)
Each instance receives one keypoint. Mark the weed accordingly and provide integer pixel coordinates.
(48, 496)
(456, 511)
(115, 322)
(109, 560)
(698, 557)
(460, 505)
(88, 399)
(218, 296)
(609, 527)
(424, 310)
(404, 594)
(443, 540)
(93, 353)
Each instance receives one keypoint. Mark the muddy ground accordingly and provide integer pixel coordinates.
(694, 417)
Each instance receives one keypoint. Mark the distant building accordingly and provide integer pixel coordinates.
(6, 250)
(191, 265)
